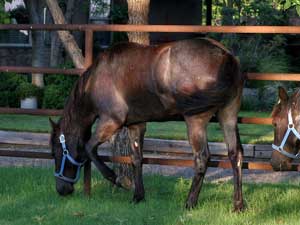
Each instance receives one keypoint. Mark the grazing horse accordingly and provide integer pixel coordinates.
(129, 85)
(286, 122)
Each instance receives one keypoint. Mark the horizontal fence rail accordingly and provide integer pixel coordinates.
(158, 28)
(45, 70)
(156, 151)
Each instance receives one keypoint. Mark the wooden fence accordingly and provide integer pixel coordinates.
(179, 160)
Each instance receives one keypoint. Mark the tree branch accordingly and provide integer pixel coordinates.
(65, 36)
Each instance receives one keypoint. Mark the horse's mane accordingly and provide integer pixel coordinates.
(73, 102)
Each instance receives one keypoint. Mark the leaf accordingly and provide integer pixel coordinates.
(287, 4)
(6, 21)
(298, 9)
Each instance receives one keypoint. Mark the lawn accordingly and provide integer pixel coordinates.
(30, 198)
(250, 133)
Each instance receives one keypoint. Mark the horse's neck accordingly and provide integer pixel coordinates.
(77, 115)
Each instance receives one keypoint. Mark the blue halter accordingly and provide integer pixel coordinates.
(66, 155)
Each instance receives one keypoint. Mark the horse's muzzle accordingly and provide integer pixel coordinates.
(280, 162)
(64, 188)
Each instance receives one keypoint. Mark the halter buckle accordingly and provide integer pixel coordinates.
(65, 152)
(62, 138)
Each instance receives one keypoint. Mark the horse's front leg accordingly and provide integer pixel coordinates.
(136, 135)
(105, 129)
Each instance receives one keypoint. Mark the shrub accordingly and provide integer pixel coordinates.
(26, 90)
(9, 82)
(57, 88)
(54, 96)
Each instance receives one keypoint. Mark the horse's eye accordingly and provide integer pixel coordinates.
(275, 124)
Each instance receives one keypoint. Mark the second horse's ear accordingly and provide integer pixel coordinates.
(53, 124)
(282, 94)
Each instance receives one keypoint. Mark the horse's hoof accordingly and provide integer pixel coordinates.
(137, 199)
(239, 207)
(190, 205)
(124, 182)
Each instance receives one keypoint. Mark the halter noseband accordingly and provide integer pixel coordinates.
(66, 155)
(291, 128)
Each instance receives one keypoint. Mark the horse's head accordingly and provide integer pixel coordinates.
(286, 122)
(67, 162)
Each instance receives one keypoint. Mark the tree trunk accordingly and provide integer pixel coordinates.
(39, 49)
(56, 45)
(138, 14)
(65, 36)
(138, 11)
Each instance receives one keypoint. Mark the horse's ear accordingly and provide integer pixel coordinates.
(53, 124)
(282, 94)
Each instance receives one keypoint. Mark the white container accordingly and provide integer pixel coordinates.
(29, 103)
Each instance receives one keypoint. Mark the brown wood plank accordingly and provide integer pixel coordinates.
(158, 28)
(88, 60)
(87, 175)
(45, 70)
(152, 160)
(274, 76)
(37, 112)
(159, 146)
(24, 138)
(26, 154)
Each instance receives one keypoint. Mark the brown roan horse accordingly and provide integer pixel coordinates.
(129, 85)
(286, 122)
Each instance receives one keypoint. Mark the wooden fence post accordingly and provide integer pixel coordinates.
(88, 60)
(87, 178)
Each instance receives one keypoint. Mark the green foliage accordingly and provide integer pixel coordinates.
(4, 16)
(26, 90)
(248, 12)
(57, 88)
(119, 15)
(264, 12)
(287, 4)
(54, 97)
(9, 82)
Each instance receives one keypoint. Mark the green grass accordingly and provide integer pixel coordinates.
(28, 196)
(250, 133)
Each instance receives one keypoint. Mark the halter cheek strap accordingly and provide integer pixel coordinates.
(291, 128)
(67, 156)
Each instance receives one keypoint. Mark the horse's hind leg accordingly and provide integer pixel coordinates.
(198, 139)
(136, 135)
(228, 120)
(105, 129)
